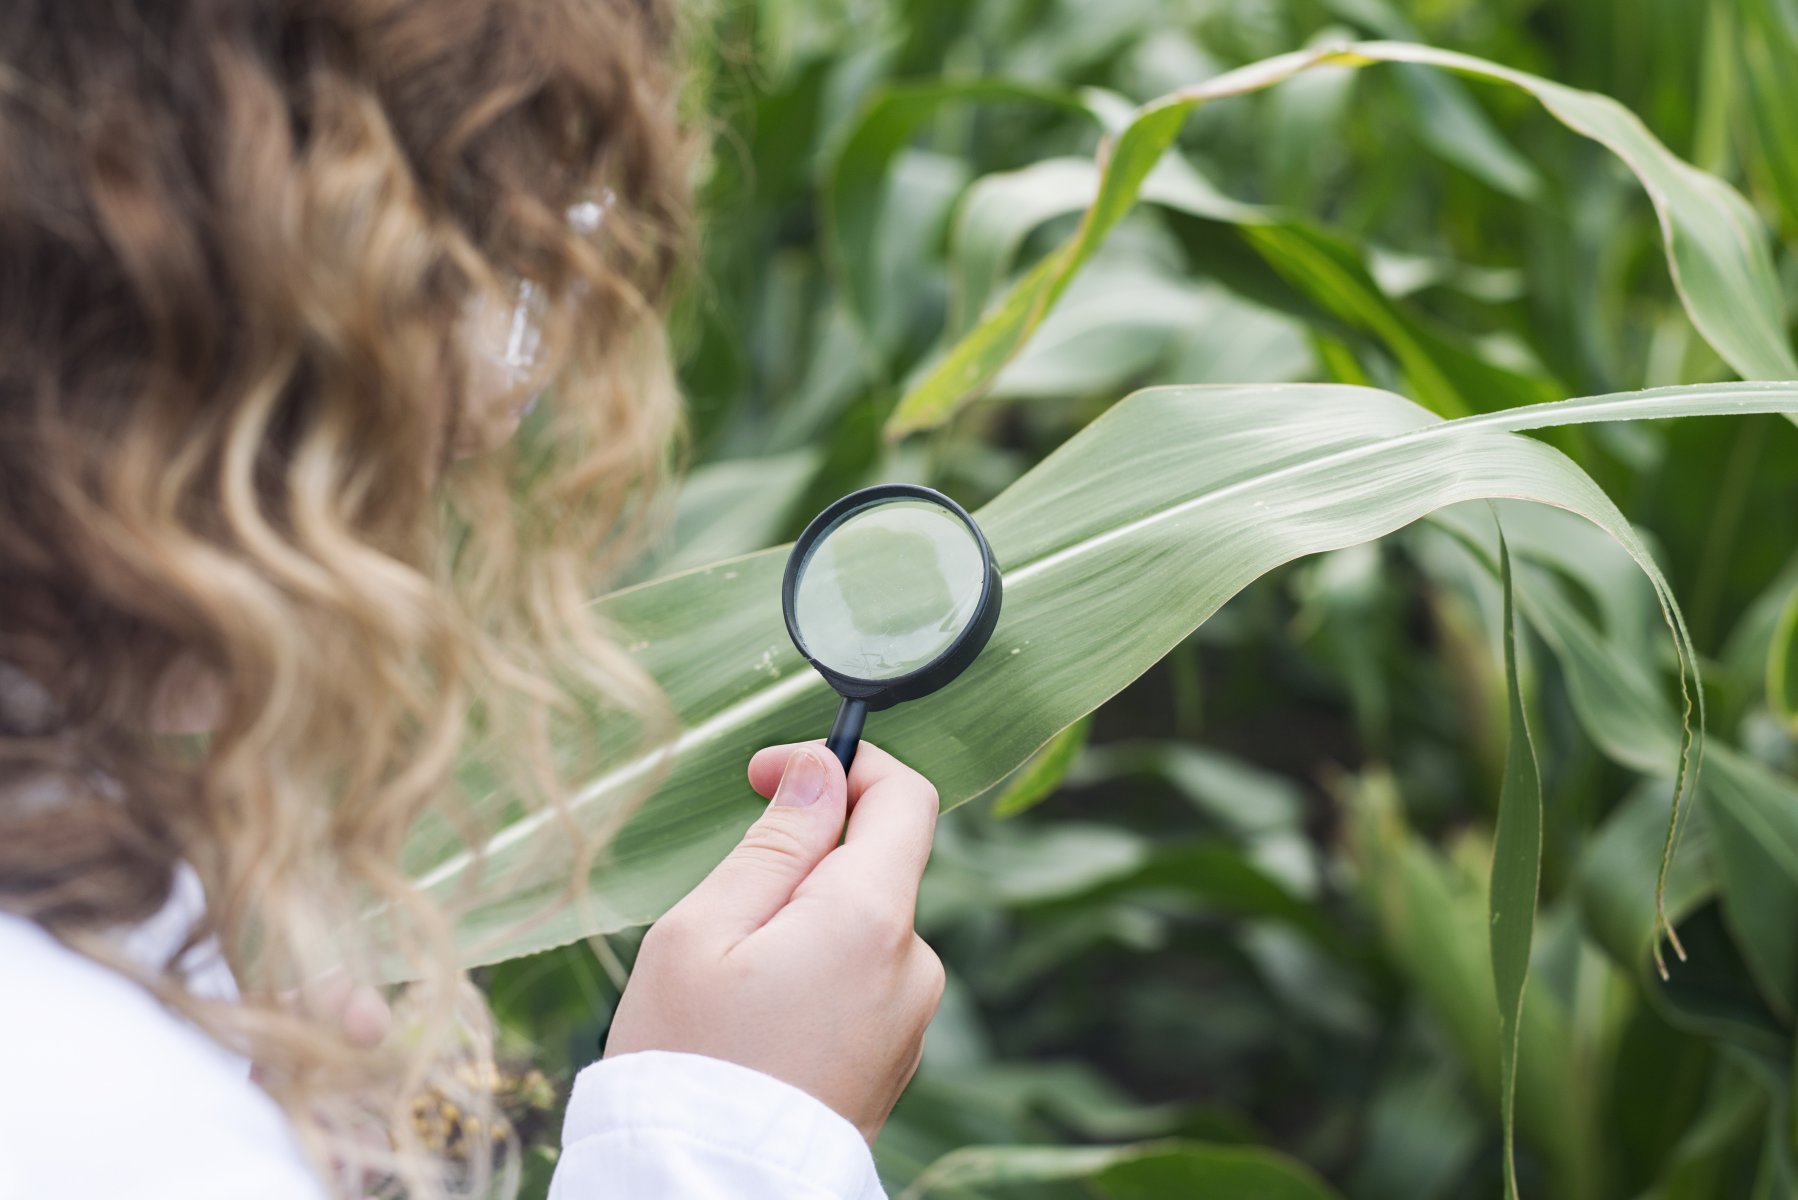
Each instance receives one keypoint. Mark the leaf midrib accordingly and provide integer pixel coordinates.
(1503, 421)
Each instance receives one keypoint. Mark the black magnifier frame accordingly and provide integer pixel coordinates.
(863, 696)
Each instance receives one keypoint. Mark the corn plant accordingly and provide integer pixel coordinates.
(1381, 779)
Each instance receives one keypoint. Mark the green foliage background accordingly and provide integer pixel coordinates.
(1230, 935)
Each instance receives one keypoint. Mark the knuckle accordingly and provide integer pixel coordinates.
(932, 977)
(927, 792)
(669, 938)
(776, 842)
(879, 926)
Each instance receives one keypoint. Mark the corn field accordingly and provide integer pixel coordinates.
(1383, 780)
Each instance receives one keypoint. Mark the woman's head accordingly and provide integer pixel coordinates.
(246, 249)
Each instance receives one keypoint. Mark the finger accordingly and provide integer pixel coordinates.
(871, 764)
(366, 1017)
(359, 1009)
(795, 831)
(888, 840)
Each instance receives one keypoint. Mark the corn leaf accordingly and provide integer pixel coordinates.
(1516, 872)
(1038, 778)
(1114, 549)
(858, 176)
(1715, 243)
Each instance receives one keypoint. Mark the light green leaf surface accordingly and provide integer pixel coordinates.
(1156, 1170)
(1114, 548)
(1715, 243)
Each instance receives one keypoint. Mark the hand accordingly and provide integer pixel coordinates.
(797, 956)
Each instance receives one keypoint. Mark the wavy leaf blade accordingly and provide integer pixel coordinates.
(1715, 244)
(1145, 522)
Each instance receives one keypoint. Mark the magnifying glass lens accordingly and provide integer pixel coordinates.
(888, 588)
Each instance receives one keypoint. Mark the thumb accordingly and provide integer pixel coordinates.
(802, 824)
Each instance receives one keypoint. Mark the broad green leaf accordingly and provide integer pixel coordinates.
(1715, 244)
(1114, 549)
(996, 215)
(1516, 871)
(1038, 778)
(1149, 1170)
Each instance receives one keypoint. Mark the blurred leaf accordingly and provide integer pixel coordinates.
(1516, 872)
(1246, 800)
(1263, 811)
(1044, 864)
(1117, 325)
(1753, 812)
(1434, 922)
(1715, 243)
(1455, 128)
(1448, 120)
(1782, 663)
(1038, 778)
(1617, 897)
(1446, 378)
(1421, 1134)
(1155, 1170)
(1767, 43)
(725, 509)
(1759, 894)
(998, 213)
(854, 191)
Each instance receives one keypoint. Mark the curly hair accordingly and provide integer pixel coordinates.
(253, 605)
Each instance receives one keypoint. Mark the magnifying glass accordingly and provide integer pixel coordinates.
(889, 593)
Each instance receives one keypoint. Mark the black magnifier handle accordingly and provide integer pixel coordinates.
(846, 732)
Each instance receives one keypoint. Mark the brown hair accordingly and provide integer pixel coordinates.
(239, 240)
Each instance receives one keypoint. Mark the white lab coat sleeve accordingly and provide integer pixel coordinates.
(658, 1125)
